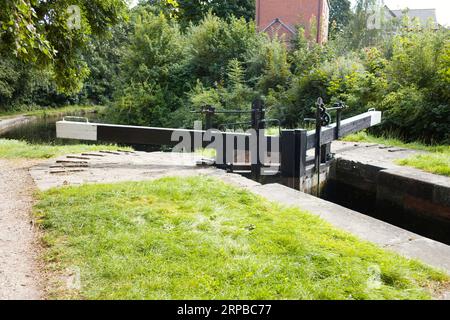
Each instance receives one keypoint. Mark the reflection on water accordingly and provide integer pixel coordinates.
(43, 131)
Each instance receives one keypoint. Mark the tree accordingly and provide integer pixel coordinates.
(103, 57)
(418, 103)
(366, 26)
(214, 42)
(193, 11)
(9, 76)
(340, 15)
(147, 92)
(54, 33)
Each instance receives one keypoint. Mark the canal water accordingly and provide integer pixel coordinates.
(42, 130)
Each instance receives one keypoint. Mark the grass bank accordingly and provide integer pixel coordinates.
(41, 112)
(13, 149)
(197, 238)
(436, 160)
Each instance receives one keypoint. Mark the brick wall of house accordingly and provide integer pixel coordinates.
(292, 13)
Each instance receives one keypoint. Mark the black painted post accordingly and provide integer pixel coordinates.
(301, 136)
(209, 113)
(293, 145)
(338, 124)
(318, 143)
(254, 120)
(258, 124)
(325, 150)
(261, 136)
(325, 153)
(288, 156)
(224, 151)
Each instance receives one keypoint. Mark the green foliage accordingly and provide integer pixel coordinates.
(418, 104)
(147, 92)
(103, 58)
(306, 54)
(165, 72)
(215, 42)
(24, 85)
(340, 15)
(50, 33)
(38, 111)
(193, 11)
(176, 56)
(9, 76)
(197, 238)
(366, 26)
(273, 61)
(408, 81)
(236, 95)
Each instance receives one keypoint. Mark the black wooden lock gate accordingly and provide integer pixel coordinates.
(292, 145)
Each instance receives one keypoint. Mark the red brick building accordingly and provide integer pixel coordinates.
(281, 17)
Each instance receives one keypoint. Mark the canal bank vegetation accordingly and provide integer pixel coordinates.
(435, 159)
(437, 163)
(197, 238)
(155, 63)
(13, 149)
(35, 111)
(226, 63)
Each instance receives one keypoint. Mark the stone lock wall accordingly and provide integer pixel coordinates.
(417, 201)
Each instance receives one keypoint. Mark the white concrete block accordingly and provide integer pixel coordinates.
(76, 130)
(376, 118)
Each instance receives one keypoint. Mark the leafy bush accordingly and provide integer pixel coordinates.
(418, 104)
(156, 71)
(147, 89)
(214, 42)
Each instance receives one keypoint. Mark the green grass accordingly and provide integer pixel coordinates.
(390, 141)
(14, 149)
(273, 131)
(40, 112)
(197, 238)
(206, 153)
(436, 161)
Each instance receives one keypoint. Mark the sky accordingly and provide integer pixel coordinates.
(442, 6)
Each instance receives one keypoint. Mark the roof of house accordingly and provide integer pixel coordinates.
(424, 15)
(278, 21)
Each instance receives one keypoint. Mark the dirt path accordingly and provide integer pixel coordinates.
(19, 279)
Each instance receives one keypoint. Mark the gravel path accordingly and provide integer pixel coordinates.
(19, 279)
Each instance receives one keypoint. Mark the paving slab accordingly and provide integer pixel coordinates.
(371, 153)
(113, 167)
